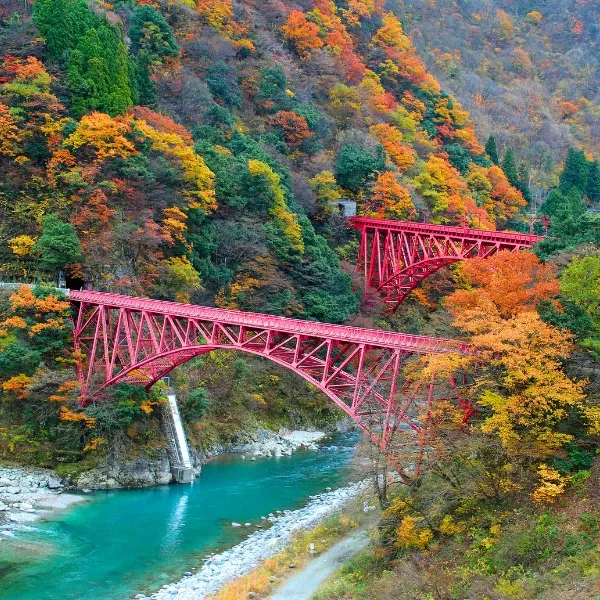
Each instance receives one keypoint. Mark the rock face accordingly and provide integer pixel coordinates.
(115, 472)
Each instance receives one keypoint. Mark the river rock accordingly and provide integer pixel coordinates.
(5, 482)
(54, 484)
(234, 524)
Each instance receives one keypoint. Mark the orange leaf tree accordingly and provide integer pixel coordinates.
(524, 391)
(389, 198)
(301, 34)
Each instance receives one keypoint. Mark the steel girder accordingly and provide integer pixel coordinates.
(396, 256)
(125, 339)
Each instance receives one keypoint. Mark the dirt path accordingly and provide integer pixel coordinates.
(303, 585)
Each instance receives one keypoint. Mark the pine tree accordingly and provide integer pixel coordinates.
(491, 150)
(561, 205)
(523, 186)
(575, 172)
(62, 23)
(593, 182)
(146, 92)
(150, 32)
(95, 53)
(58, 244)
(509, 166)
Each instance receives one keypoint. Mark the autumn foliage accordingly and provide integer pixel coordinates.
(525, 394)
(302, 35)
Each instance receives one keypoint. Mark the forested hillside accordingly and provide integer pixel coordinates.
(155, 134)
(198, 150)
(526, 71)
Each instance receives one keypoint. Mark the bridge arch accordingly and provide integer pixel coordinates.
(161, 365)
(134, 340)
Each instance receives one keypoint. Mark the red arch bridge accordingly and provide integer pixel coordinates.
(396, 256)
(137, 340)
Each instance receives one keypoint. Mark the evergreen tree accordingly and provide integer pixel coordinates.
(272, 87)
(575, 172)
(62, 23)
(150, 32)
(94, 51)
(554, 202)
(355, 166)
(58, 244)
(593, 182)
(459, 157)
(523, 186)
(491, 150)
(146, 92)
(509, 166)
(559, 205)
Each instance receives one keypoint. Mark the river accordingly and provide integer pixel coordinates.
(119, 543)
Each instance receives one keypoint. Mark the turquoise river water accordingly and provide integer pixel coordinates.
(119, 543)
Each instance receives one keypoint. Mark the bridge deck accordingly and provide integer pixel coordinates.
(344, 333)
(506, 237)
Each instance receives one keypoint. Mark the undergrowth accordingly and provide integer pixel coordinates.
(528, 554)
(269, 574)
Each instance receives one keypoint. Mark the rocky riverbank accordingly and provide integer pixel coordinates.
(151, 469)
(221, 568)
(28, 494)
(267, 443)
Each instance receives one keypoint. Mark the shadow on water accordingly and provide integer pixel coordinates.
(123, 542)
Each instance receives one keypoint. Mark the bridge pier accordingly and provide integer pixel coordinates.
(179, 453)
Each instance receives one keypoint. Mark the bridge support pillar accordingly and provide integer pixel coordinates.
(179, 453)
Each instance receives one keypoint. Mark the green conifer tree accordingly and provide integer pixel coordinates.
(62, 23)
(58, 244)
(491, 150)
(593, 182)
(95, 53)
(523, 186)
(146, 92)
(575, 172)
(150, 32)
(509, 166)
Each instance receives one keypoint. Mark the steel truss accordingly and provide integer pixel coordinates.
(396, 256)
(135, 340)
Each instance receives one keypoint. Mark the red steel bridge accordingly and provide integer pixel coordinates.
(137, 340)
(396, 256)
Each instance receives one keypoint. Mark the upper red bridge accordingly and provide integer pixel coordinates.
(137, 340)
(395, 256)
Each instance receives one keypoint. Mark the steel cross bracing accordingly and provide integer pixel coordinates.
(395, 256)
(135, 340)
